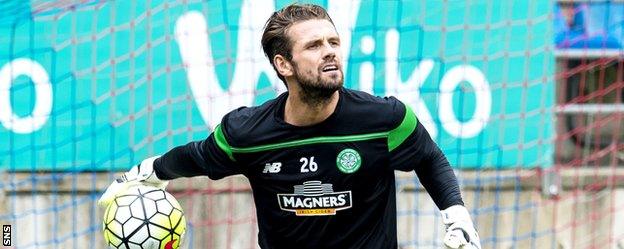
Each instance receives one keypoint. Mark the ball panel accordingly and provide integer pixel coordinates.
(164, 207)
(161, 220)
(149, 208)
(112, 239)
(175, 217)
(115, 228)
(130, 226)
(155, 195)
(174, 240)
(126, 199)
(173, 201)
(140, 236)
(109, 215)
(180, 228)
(136, 209)
(122, 214)
(135, 246)
(151, 243)
(158, 232)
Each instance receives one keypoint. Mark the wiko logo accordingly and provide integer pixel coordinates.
(213, 102)
(192, 34)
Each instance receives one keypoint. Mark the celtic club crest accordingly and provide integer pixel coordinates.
(348, 161)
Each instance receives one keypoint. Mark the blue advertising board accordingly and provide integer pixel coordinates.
(102, 85)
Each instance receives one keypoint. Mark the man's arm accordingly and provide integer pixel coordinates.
(196, 158)
(181, 161)
(436, 175)
(417, 151)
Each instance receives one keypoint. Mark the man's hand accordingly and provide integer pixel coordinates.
(460, 232)
(142, 174)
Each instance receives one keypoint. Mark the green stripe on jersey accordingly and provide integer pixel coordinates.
(399, 134)
(395, 138)
(313, 140)
(222, 143)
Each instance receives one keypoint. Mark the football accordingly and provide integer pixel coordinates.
(144, 217)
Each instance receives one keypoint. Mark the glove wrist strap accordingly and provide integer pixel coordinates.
(454, 214)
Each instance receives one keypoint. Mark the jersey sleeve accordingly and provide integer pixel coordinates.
(411, 148)
(210, 157)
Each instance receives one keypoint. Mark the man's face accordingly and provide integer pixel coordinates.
(316, 57)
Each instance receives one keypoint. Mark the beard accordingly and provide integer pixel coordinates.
(317, 90)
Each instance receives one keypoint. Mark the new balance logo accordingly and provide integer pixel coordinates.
(272, 167)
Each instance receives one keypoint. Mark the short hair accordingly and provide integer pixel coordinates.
(275, 39)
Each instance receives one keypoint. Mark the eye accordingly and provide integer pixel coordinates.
(335, 43)
(313, 46)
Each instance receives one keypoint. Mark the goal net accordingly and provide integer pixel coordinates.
(523, 97)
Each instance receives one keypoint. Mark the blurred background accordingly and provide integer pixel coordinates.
(524, 97)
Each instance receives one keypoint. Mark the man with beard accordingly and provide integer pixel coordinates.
(320, 158)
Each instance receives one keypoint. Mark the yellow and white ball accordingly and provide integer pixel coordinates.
(144, 217)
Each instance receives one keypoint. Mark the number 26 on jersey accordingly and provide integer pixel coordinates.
(307, 165)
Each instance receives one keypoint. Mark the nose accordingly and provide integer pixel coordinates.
(329, 51)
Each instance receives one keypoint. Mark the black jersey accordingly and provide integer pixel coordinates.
(328, 185)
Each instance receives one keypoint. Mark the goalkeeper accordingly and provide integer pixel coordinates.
(320, 158)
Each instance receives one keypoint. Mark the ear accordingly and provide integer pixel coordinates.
(283, 66)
